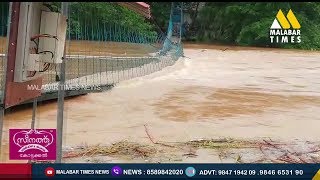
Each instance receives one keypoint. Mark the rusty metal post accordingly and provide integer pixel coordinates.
(12, 33)
(34, 111)
(61, 93)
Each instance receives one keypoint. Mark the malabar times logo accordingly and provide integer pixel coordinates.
(32, 144)
(285, 29)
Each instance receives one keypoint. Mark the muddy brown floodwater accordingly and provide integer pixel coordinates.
(249, 95)
(183, 104)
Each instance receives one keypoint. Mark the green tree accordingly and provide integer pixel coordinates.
(249, 23)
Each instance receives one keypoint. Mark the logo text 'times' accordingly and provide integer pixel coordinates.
(285, 29)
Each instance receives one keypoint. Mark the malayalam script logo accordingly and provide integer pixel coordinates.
(285, 29)
(32, 144)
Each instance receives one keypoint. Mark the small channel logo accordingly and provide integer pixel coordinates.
(49, 172)
(285, 29)
(116, 171)
(32, 144)
(190, 171)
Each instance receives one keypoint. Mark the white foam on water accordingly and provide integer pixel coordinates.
(165, 73)
(265, 70)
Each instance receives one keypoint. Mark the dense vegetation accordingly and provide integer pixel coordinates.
(249, 23)
(235, 23)
(97, 20)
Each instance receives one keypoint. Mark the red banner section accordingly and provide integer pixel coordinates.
(16, 171)
(139, 7)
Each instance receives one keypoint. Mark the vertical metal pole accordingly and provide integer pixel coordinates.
(34, 110)
(181, 20)
(1, 128)
(2, 108)
(64, 9)
(33, 120)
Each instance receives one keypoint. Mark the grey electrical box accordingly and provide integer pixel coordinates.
(54, 24)
(34, 21)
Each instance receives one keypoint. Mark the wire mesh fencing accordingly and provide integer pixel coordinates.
(101, 53)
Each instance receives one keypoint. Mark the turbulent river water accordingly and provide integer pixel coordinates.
(213, 92)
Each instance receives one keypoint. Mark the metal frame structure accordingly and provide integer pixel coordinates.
(16, 93)
(61, 93)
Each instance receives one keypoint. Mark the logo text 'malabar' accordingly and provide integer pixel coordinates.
(285, 29)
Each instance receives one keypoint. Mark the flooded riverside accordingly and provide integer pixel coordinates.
(218, 104)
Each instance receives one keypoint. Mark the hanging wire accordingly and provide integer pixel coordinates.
(106, 52)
